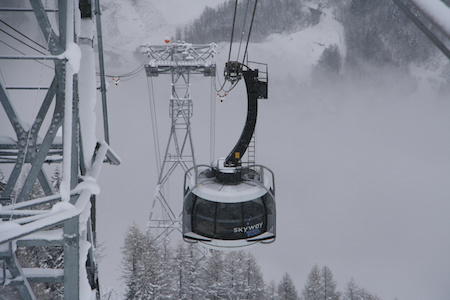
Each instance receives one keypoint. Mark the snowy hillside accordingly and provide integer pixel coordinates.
(299, 50)
(127, 24)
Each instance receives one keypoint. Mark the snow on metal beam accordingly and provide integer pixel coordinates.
(62, 211)
(437, 11)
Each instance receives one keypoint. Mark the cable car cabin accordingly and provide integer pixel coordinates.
(229, 214)
(227, 205)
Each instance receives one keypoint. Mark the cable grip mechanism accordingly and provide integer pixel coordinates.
(233, 71)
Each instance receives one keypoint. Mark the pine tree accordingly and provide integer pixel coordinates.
(351, 291)
(271, 291)
(328, 285)
(186, 273)
(286, 288)
(253, 278)
(330, 62)
(313, 288)
(133, 251)
(165, 274)
(146, 266)
(211, 277)
(233, 277)
(56, 179)
(354, 292)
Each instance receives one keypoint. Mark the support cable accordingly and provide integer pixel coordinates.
(20, 41)
(250, 31)
(243, 27)
(25, 36)
(131, 77)
(234, 67)
(212, 126)
(129, 74)
(232, 30)
(154, 123)
(23, 53)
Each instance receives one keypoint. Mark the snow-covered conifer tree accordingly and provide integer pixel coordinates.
(354, 292)
(286, 288)
(328, 285)
(211, 277)
(313, 287)
(146, 266)
(165, 273)
(351, 291)
(271, 291)
(253, 277)
(186, 273)
(56, 179)
(233, 277)
(132, 251)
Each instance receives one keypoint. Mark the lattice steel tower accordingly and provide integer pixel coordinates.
(179, 60)
(65, 220)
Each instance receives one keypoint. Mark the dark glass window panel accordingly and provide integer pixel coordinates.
(228, 221)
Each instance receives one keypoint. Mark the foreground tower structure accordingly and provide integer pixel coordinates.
(55, 73)
(430, 18)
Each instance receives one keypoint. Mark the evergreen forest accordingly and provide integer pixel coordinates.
(153, 269)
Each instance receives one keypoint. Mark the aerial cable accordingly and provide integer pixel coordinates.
(127, 77)
(232, 30)
(151, 92)
(12, 47)
(20, 41)
(129, 74)
(131, 77)
(212, 126)
(23, 35)
(250, 31)
(243, 27)
(222, 88)
(23, 53)
(233, 69)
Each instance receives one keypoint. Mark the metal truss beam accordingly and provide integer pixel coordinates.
(36, 222)
(427, 24)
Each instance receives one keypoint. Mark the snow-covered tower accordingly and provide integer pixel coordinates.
(431, 17)
(180, 60)
(55, 72)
